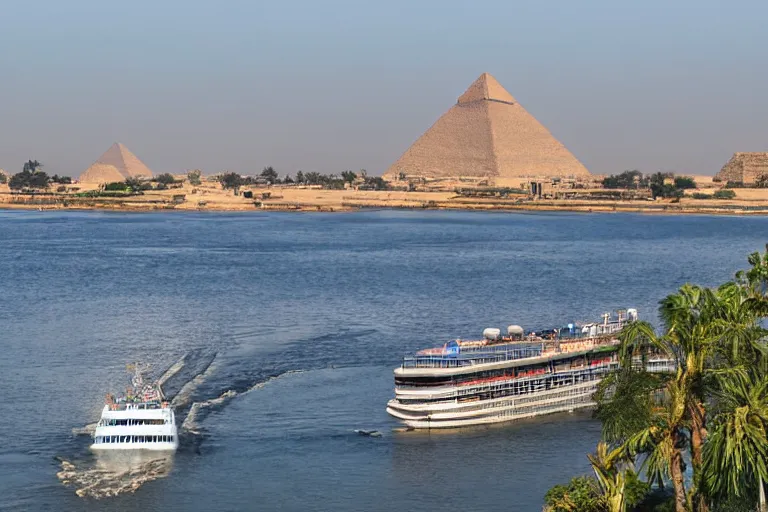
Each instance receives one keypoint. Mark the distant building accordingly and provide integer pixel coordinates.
(486, 134)
(116, 164)
(744, 168)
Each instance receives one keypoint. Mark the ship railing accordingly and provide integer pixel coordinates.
(655, 365)
(476, 357)
(499, 353)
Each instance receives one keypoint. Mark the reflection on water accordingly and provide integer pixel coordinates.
(114, 473)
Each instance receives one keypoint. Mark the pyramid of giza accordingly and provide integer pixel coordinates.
(487, 133)
(116, 164)
(744, 168)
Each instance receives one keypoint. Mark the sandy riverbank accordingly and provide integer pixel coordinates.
(210, 197)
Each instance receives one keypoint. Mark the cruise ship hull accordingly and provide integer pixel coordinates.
(498, 410)
(495, 380)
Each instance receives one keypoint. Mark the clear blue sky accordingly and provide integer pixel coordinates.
(331, 85)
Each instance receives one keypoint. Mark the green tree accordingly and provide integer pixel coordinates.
(736, 454)
(64, 180)
(313, 178)
(194, 177)
(134, 184)
(165, 179)
(300, 177)
(610, 478)
(704, 330)
(626, 180)
(684, 182)
(231, 180)
(348, 176)
(29, 179)
(32, 166)
(3, 178)
(269, 174)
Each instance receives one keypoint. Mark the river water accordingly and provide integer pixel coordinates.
(290, 326)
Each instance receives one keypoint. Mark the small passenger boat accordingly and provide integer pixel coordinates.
(140, 420)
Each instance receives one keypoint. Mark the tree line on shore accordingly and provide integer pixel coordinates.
(694, 438)
(268, 176)
(33, 177)
(668, 185)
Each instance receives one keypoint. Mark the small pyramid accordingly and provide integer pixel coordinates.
(116, 164)
(744, 168)
(487, 133)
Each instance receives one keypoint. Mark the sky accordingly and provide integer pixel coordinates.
(673, 85)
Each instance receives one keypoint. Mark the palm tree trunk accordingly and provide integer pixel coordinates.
(698, 436)
(676, 471)
(761, 490)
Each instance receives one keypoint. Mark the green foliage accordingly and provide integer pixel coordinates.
(164, 179)
(32, 166)
(62, 180)
(636, 490)
(28, 179)
(714, 406)
(118, 185)
(334, 182)
(581, 494)
(194, 177)
(684, 182)
(724, 194)
(231, 180)
(3, 178)
(626, 180)
(137, 184)
(701, 195)
(105, 193)
(375, 183)
(661, 189)
(288, 179)
(736, 453)
(270, 175)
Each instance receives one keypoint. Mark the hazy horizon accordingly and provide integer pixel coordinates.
(341, 85)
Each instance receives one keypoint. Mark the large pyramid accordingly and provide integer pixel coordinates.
(487, 133)
(116, 164)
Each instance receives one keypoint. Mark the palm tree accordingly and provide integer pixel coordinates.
(610, 477)
(645, 414)
(662, 415)
(737, 449)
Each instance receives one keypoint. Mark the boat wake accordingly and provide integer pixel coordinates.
(199, 382)
(119, 474)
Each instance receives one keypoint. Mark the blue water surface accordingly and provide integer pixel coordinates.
(305, 316)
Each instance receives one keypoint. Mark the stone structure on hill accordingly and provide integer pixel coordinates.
(487, 134)
(116, 164)
(744, 168)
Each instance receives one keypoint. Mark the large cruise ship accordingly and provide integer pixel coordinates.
(516, 376)
(140, 420)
